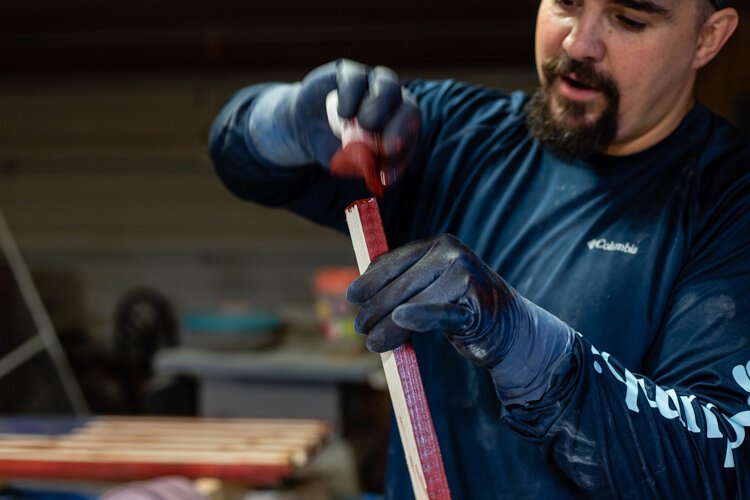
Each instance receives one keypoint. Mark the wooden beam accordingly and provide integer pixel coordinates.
(413, 417)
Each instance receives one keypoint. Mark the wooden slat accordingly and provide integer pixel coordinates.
(147, 455)
(422, 450)
(255, 474)
(127, 448)
(298, 450)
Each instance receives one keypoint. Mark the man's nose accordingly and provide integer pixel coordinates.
(584, 42)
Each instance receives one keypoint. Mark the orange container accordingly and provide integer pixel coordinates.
(334, 314)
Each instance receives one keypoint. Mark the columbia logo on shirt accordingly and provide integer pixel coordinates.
(612, 246)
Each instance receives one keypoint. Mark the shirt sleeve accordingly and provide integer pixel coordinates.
(679, 429)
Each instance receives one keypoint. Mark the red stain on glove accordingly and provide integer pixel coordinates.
(357, 160)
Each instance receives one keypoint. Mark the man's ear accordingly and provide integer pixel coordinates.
(713, 34)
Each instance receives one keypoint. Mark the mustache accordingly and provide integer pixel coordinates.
(585, 72)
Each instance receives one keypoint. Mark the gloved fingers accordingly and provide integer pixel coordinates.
(393, 330)
(392, 295)
(351, 80)
(399, 141)
(444, 304)
(448, 318)
(386, 336)
(316, 86)
(381, 100)
(429, 280)
(401, 133)
(312, 131)
(385, 269)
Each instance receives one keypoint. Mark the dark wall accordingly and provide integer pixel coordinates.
(172, 34)
(142, 36)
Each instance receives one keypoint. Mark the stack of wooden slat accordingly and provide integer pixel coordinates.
(256, 452)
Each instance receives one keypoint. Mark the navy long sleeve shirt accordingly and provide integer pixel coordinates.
(647, 256)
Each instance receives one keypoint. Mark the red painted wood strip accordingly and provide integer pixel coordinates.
(430, 459)
(372, 227)
(256, 475)
(421, 421)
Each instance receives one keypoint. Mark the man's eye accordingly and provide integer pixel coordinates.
(566, 3)
(631, 24)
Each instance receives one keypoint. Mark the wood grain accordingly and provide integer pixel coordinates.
(259, 452)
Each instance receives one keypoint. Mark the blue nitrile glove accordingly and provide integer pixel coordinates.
(440, 285)
(289, 125)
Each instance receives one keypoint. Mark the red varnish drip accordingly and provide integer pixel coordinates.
(357, 160)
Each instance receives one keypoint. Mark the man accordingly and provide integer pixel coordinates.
(597, 287)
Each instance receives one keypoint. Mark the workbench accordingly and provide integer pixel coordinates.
(300, 378)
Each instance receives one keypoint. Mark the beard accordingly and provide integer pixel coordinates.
(569, 133)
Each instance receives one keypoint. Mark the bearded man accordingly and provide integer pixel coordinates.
(573, 267)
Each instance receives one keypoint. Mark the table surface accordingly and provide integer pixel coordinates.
(246, 451)
(294, 360)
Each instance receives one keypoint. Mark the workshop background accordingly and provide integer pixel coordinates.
(108, 191)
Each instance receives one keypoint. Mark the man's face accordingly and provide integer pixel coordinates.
(616, 75)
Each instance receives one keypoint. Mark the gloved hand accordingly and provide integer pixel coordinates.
(439, 285)
(289, 125)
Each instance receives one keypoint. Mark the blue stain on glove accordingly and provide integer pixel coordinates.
(439, 285)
